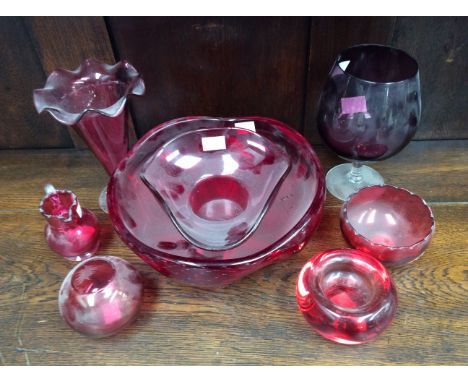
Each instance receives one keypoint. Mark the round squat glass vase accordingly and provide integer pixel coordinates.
(101, 296)
(92, 99)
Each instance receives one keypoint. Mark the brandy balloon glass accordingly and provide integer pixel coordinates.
(71, 231)
(368, 111)
(92, 99)
(390, 223)
(346, 295)
(101, 296)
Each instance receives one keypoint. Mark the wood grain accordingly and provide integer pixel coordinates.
(440, 45)
(20, 73)
(67, 41)
(255, 320)
(224, 66)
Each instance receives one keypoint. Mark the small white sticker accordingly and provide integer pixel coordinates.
(214, 143)
(344, 64)
(248, 125)
(49, 188)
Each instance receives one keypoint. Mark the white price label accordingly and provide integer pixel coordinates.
(214, 143)
(248, 125)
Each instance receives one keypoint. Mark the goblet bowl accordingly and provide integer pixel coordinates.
(369, 110)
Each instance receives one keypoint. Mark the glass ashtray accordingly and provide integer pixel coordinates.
(210, 200)
(346, 295)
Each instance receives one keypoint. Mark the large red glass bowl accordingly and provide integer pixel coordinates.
(274, 180)
(390, 223)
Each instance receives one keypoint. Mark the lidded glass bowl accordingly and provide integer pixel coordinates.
(210, 200)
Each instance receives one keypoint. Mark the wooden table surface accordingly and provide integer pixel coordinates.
(253, 321)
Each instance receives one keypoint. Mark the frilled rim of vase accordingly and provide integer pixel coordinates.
(47, 98)
(66, 217)
(429, 233)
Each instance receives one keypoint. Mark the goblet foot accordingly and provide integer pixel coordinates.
(103, 200)
(340, 184)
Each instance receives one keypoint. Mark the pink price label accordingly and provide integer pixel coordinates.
(351, 105)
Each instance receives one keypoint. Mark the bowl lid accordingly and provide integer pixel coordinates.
(216, 184)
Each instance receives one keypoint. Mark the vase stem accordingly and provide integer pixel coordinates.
(106, 137)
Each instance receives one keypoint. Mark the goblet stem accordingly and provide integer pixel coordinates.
(355, 175)
(346, 179)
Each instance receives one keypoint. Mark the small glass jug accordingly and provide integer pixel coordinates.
(71, 231)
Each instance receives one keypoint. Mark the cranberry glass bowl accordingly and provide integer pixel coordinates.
(210, 200)
(216, 197)
(101, 296)
(346, 295)
(390, 223)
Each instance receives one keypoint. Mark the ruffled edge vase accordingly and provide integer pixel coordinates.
(92, 100)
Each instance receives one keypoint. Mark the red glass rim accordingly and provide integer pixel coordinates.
(46, 207)
(317, 293)
(58, 84)
(400, 189)
(315, 204)
(84, 281)
(413, 72)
